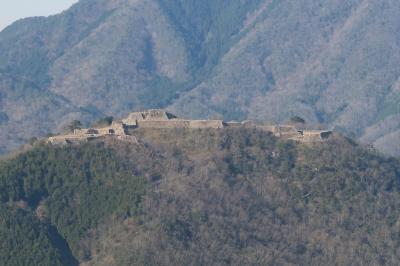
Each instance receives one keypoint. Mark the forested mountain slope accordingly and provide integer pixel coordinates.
(200, 197)
(333, 63)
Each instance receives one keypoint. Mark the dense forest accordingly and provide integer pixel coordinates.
(200, 197)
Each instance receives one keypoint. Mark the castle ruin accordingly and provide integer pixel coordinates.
(160, 119)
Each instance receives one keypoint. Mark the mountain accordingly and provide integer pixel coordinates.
(200, 197)
(332, 63)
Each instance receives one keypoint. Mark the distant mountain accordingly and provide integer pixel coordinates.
(333, 63)
(200, 197)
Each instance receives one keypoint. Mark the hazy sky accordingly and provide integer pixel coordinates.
(12, 10)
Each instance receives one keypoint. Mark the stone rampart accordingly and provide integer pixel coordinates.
(272, 129)
(234, 124)
(150, 115)
(163, 124)
(283, 131)
(177, 123)
(216, 124)
(116, 128)
(159, 119)
(315, 135)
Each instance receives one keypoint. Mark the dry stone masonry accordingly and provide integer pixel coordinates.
(160, 119)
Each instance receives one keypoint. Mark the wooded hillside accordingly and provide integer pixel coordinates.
(200, 197)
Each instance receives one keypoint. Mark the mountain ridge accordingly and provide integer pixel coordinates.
(333, 64)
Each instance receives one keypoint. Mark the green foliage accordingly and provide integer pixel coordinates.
(389, 107)
(161, 92)
(32, 65)
(206, 197)
(104, 122)
(208, 27)
(297, 119)
(24, 240)
(3, 117)
(75, 124)
(32, 140)
(78, 187)
(242, 197)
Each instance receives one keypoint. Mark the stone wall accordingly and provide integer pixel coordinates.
(315, 135)
(234, 124)
(283, 131)
(206, 124)
(159, 119)
(272, 129)
(116, 128)
(130, 122)
(82, 131)
(150, 115)
(164, 124)
(177, 123)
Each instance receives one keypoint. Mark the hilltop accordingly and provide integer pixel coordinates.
(334, 64)
(230, 196)
(124, 129)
